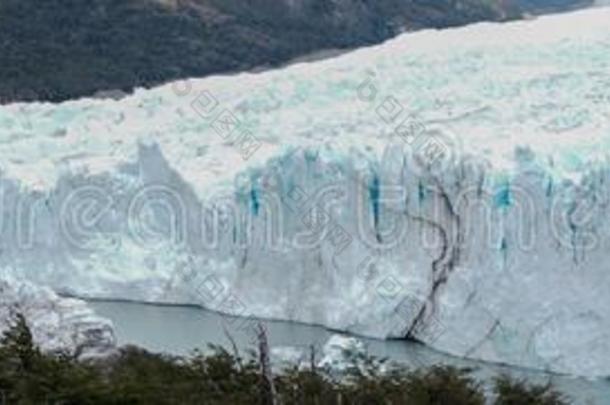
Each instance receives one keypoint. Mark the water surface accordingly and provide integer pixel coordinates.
(180, 329)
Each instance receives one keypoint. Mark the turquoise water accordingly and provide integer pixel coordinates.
(180, 329)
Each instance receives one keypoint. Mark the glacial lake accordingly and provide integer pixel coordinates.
(179, 330)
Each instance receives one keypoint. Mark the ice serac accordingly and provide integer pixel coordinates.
(57, 324)
(345, 214)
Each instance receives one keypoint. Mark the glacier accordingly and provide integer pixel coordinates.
(58, 324)
(447, 186)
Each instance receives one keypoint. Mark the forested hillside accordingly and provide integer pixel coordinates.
(60, 49)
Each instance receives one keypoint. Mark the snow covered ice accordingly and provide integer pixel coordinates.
(57, 324)
(460, 180)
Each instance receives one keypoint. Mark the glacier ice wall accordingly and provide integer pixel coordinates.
(58, 324)
(449, 186)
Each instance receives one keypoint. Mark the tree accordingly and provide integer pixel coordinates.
(17, 342)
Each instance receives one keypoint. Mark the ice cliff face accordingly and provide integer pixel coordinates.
(57, 324)
(450, 186)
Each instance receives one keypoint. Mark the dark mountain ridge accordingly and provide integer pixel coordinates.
(61, 49)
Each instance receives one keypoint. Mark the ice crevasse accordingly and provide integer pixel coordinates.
(450, 186)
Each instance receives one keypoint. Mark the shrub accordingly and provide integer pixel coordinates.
(511, 392)
(135, 376)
